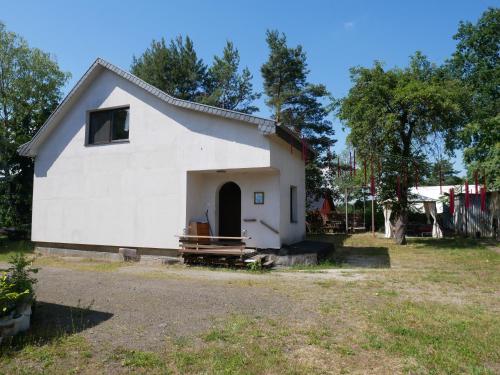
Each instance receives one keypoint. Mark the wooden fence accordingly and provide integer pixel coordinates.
(474, 222)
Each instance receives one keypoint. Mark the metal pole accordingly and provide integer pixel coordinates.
(364, 208)
(346, 216)
(373, 216)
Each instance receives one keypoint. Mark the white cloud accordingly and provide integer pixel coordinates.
(349, 25)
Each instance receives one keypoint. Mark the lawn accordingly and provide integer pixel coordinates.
(431, 307)
(10, 247)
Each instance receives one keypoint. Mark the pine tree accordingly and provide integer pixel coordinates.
(298, 104)
(226, 87)
(175, 69)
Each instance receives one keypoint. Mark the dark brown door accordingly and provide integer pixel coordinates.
(230, 210)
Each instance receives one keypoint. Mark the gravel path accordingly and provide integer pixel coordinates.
(137, 307)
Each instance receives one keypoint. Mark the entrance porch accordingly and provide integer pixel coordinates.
(242, 204)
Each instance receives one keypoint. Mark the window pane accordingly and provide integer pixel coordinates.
(293, 204)
(120, 124)
(100, 127)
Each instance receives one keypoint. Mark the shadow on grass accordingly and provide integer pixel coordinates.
(9, 247)
(454, 243)
(365, 257)
(51, 321)
(355, 256)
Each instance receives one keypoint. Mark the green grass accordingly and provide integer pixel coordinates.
(80, 264)
(60, 355)
(433, 310)
(137, 359)
(9, 247)
(441, 338)
(242, 345)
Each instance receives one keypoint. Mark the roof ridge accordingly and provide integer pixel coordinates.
(265, 125)
(106, 64)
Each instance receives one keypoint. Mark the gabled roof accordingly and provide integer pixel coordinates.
(265, 126)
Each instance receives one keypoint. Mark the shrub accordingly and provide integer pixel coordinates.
(9, 297)
(20, 273)
(17, 285)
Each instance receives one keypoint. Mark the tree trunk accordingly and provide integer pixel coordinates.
(400, 228)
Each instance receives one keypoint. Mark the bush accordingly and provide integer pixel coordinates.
(17, 285)
(20, 272)
(9, 298)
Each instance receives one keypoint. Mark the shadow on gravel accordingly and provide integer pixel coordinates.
(51, 321)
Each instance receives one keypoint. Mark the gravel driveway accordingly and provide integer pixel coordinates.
(137, 306)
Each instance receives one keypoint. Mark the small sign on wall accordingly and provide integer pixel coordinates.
(258, 197)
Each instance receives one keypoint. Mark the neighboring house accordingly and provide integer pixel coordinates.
(122, 164)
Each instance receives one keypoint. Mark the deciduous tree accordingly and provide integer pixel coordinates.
(31, 85)
(392, 114)
(476, 63)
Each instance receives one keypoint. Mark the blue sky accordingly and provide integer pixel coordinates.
(335, 34)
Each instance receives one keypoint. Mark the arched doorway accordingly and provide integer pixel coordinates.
(230, 210)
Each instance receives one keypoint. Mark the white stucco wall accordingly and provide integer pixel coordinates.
(132, 194)
(292, 173)
(203, 195)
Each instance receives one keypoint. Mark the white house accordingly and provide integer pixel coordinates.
(122, 164)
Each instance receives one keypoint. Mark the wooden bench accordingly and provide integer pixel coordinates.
(215, 245)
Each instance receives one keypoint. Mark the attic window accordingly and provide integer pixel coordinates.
(109, 125)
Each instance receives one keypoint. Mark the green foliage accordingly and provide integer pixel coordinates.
(175, 69)
(9, 296)
(476, 63)
(298, 104)
(448, 174)
(20, 273)
(30, 89)
(16, 284)
(395, 115)
(227, 88)
(255, 266)
(284, 73)
(8, 248)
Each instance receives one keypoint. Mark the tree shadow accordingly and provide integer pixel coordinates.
(454, 243)
(355, 256)
(51, 321)
(365, 257)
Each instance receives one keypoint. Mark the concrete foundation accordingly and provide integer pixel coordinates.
(98, 255)
(304, 253)
(158, 260)
(107, 256)
(293, 260)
